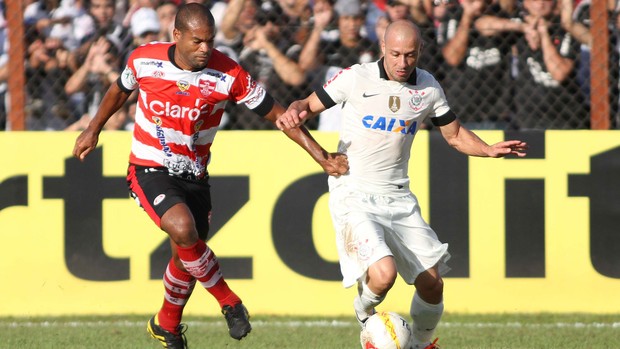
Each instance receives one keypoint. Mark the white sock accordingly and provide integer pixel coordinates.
(425, 317)
(366, 302)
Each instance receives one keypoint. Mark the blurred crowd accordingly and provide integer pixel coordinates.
(503, 64)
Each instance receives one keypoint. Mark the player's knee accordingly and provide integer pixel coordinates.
(382, 277)
(431, 290)
(181, 231)
(180, 225)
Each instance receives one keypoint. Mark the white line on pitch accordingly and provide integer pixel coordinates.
(300, 323)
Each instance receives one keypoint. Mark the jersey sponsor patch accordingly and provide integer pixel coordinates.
(394, 103)
(183, 86)
(389, 124)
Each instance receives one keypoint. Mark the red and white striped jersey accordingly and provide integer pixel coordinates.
(179, 111)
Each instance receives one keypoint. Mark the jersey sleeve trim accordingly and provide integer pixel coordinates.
(327, 101)
(265, 106)
(444, 119)
(123, 88)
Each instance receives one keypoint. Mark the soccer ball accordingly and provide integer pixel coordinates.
(385, 330)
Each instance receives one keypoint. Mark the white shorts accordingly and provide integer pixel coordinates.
(370, 227)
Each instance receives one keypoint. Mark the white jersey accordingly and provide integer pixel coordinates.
(380, 118)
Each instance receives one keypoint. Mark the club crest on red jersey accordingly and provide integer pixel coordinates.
(206, 87)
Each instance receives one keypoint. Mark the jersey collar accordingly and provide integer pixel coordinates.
(171, 51)
(383, 74)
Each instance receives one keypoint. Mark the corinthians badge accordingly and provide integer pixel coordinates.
(415, 102)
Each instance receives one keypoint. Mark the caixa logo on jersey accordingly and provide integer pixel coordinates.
(389, 124)
(206, 87)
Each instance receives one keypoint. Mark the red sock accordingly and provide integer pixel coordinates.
(202, 264)
(178, 286)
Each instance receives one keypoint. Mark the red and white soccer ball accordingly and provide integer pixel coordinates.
(385, 330)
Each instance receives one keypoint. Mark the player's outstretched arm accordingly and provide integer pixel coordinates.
(334, 164)
(467, 142)
(88, 139)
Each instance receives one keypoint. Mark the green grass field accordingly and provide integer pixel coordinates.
(273, 332)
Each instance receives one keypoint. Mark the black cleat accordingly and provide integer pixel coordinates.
(168, 339)
(238, 320)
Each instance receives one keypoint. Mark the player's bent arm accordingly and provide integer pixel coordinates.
(113, 100)
(299, 111)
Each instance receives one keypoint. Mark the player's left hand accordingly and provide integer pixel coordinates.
(294, 116)
(514, 147)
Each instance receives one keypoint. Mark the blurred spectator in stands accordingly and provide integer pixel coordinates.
(547, 94)
(48, 67)
(322, 59)
(577, 22)
(324, 13)
(128, 10)
(265, 47)
(97, 70)
(297, 14)
(144, 27)
(374, 10)
(63, 19)
(478, 78)
(166, 11)
(271, 58)
(239, 18)
(380, 27)
(103, 13)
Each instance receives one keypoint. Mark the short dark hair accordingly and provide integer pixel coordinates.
(191, 12)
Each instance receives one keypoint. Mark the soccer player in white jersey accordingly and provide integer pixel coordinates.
(183, 88)
(380, 231)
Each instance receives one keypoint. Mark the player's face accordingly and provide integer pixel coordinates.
(194, 46)
(401, 56)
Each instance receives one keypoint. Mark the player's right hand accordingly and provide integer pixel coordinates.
(85, 143)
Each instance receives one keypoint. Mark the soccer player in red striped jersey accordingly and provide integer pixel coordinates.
(183, 89)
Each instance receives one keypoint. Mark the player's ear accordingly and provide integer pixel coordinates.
(176, 35)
